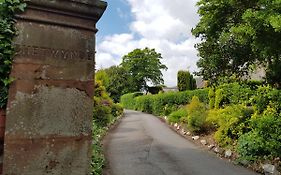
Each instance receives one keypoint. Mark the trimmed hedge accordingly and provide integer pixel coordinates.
(128, 100)
(164, 103)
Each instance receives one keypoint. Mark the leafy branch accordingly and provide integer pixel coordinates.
(8, 8)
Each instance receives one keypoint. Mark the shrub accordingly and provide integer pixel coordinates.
(211, 96)
(144, 103)
(231, 122)
(266, 96)
(219, 96)
(264, 139)
(163, 103)
(128, 100)
(251, 146)
(232, 93)
(196, 115)
(116, 110)
(98, 159)
(168, 109)
(253, 84)
(102, 111)
(176, 116)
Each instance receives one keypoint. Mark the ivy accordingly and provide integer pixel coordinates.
(8, 8)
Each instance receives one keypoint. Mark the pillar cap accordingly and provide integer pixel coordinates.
(81, 14)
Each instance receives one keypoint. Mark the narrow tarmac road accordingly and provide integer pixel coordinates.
(143, 145)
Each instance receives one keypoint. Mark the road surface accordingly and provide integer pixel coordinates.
(143, 145)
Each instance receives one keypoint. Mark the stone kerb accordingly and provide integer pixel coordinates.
(49, 113)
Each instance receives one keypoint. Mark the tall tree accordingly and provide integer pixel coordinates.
(116, 81)
(119, 82)
(186, 81)
(238, 34)
(144, 66)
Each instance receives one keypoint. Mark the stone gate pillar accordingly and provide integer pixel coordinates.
(49, 114)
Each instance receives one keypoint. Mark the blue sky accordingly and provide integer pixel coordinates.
(116, 19)
(161, 24)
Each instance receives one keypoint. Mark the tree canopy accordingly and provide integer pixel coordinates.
(186, 81)
(115, 81)
(144, 66)
(237, 34)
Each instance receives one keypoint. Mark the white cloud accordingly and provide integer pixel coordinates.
(161, 24)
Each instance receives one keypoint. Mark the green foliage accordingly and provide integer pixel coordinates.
(143, 66)
(197, 113)
(143, 103)
(186, 81)
(138, 68)
(104, 109)
(116, 110)
(105, 113)
(176, 116)
(128, 100)
(98, 131)
(8, 8)
(251, 146)
(163, 103)
(119, 82)
(231, 122)
(266, 96)
(273, 74)
(103, 77)
(102, 105)
(236, 35)
(253, 84)
(212, 100)
(169, 108)
(265, 138)
(232, 93)
(98, 159)
(218, 98)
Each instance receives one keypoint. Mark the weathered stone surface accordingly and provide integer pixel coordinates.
(49, 114)
(218, 150)
(195, 137)
(211, 146)
(203, 142)
(228, 153)
(270, 169)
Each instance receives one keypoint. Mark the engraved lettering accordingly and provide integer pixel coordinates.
(65, 54)
(38, 52)
(74, 54)
(55, 53)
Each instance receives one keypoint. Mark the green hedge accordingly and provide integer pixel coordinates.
(231, 93)
(128, 100)
(178, 115)
(164, 103)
